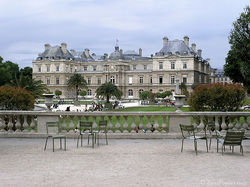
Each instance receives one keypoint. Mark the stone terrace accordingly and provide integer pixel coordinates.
(124, 162)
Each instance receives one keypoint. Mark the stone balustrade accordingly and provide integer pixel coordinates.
(33, 124)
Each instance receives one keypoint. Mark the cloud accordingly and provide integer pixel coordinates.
(28, 24)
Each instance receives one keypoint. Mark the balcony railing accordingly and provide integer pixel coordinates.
(33, 123)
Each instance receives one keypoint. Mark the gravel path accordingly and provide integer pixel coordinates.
(123, 162)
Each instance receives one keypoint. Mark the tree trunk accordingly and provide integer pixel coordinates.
(107, 98)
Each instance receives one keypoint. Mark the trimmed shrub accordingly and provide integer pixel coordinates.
(15, 98)
(217, 97)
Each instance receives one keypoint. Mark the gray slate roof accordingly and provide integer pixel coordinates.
(55, 53)
(116, 55)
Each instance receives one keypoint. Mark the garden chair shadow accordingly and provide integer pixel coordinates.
(86, 128)
(53, 130)
(188, 132)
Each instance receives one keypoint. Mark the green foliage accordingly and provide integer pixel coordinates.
(144, 95)
(163, 94)
(217, 97)
(83, 93)
(58, 93)
(237, 65)
(194, 85)
(8, 71)
(12, 98)
(76, 81)
(107, 90)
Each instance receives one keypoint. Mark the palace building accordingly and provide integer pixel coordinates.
(130, 71)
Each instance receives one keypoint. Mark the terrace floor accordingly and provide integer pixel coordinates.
(124, 162)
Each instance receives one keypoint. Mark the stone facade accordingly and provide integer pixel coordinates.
(129, 70)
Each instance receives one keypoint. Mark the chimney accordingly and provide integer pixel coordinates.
(86, 52)
(105, 56)
(46, 46)
(121, 51)
(151, 55)
(208, 60)
(64, 47)
(186, 40)
(194, 47)
(140, 51)
(72, 51)
(93, 54)
(199, 52)
(165, 41)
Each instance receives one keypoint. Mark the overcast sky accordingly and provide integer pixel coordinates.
(26, 25)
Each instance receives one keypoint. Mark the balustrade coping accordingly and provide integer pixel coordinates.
(100, 113)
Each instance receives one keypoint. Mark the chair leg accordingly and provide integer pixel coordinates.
(232, 149)
(182, 145)
(241, 149)
(60, 143)
(53, 144)
(223, 147)
(106, 138)
(210, 143)
(93, 139)
(65, 144)
(77, 141)
(195, 146)
(81, 140)
(45, 143)
(217, 145)
(207, 145)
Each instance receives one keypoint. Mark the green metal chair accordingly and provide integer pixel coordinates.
(188, 132)
(213, 134)
(53, 130)
(232, 138)
(86, 128)
(103, 128)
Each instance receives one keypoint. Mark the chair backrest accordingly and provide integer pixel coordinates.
(234, 137)
(103, 125)
(211, 126)
(52, 127)
(187, 130)
(85, 126)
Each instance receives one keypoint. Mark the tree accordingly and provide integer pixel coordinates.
(237, 65)
(58, 93)
(13, 98)
(8, 71)
(83, 93)
(107, 90)
(217, 97)
(77, 81)
(183, 87)
(35, 87)
(194, 85)
(144, 95)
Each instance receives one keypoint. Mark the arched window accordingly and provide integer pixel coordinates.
(140, 91)
(112, 79)
(89, 92)
(130, 92)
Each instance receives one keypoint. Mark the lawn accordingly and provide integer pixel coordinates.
(150, 109)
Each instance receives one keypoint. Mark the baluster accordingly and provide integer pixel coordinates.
(125, 125)
(117, 125)
(149, 123)
(141, 126)
(10, 124)
(194, 122)
(238, 125)
(94, 126)
(245, 125)
(216, 122)
(2, 124)
(121, 125)
(110, 125)
(64, 124)
(231, 122)
(133, 125)
(156, 125)
(201, 125)
(18, 124)
(223, 124)
(33, 124)
(25, 124)
(71, 125)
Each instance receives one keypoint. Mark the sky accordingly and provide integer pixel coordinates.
(26, 25)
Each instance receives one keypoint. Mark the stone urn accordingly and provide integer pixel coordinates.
(179, 100)
(48, 100)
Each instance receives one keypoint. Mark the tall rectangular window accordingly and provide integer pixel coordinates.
(145, 67)
(184, 80)
(160, 65)
(57, 68)
(85, 68)
(48, 81)
(48, 68)
(160, 80)
(151, 80)
(184, 65)
(99, 81)
(57, 80)
(130, 80)
(39, 68)
(172, 79)
(89, 80)
(141, 80)
(134, 67)
(94, 68)
(172, 65)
